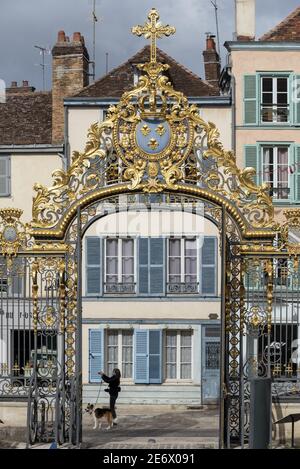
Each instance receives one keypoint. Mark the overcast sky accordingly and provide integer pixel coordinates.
(25, 23)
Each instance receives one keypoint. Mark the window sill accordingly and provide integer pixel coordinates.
(284, 202)
(168, 382)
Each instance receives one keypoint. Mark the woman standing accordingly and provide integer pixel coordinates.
(113, 390)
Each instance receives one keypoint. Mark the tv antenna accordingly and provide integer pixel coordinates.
(95, 20)
(106, 68)
(43, 51)
(215, 5)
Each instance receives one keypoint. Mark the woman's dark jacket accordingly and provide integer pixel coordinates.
(113, 384)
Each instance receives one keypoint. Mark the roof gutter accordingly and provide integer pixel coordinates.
(105, 102)
(262, 46)
(55, 149)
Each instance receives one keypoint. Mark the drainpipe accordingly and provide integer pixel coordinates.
(233, 104)
(66, 161)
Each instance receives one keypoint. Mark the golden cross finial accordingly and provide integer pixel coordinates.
(153, 30)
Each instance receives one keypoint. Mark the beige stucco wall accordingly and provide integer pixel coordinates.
(252, 61)
(26, 170)
(80, 120)
(150, 309)
(222, 118)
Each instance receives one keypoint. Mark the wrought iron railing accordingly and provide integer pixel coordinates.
(275, 113)
(183, 288)
(120, 288)
(280, 192)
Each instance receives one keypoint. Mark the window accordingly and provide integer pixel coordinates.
(183, 266)
(275, 161)
(23, 351)
(119, 352)
(124, 266)
(282, 347)
(274, 99)
(4, 175)
(192, 270)
(119, 266)
(15, 286)
(178, 354)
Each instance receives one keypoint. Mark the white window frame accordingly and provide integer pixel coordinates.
(275, 167)
(120, 259)
(120, 333)
(182, 258)
(274, 100)
(178, 357)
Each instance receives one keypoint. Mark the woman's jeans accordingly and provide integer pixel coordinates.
(112, 402)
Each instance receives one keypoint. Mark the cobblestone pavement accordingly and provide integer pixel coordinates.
(158, 428)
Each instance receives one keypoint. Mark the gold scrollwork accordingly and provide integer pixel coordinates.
(112, 155)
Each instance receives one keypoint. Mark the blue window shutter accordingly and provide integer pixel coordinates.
(208, 266)
(155, 353)
(143, 260)
(250, 99)
(296, 178)
(141, 358)
(96, 354)
(157, 281)
(93, 265)
(252, 160)
(4, 175)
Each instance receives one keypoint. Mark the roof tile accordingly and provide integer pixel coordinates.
(26, 119)
(286, 31)
(120, 79)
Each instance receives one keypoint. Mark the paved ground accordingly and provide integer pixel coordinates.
(158, 427)
(147, 427)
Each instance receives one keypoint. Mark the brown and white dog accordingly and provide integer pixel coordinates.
(99, 414)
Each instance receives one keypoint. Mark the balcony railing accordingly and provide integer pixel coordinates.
(280, 192)
(183, 288)
(120, 288)
(275, 113)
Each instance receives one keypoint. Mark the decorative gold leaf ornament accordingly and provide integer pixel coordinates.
(120, 149)
(160, 130)
(145, 130)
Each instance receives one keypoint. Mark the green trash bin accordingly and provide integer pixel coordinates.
(260, 413)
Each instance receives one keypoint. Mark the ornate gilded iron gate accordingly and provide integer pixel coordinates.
(152, 143)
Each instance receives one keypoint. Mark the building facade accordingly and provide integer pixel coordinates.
(264, 78)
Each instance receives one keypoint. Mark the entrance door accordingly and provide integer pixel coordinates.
(210, 364)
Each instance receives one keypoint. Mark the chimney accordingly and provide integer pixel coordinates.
(23, 89)
(70, 73)
(245, 20)
(212, 64)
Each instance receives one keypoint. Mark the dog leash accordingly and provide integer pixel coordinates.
(99, 391)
